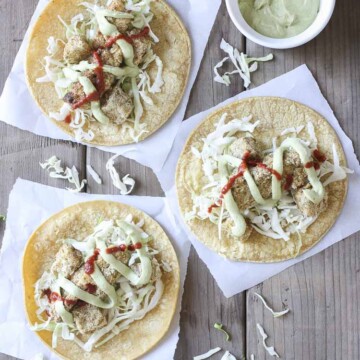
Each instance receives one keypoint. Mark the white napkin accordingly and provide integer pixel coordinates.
(16, 338)
(234, 277)
(17, 107)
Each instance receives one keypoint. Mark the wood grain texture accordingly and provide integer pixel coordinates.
(203, 302)
(322, 292)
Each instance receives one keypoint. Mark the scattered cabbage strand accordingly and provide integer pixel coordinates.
(228, 356)
(275, 314)
(270, 349)
(297, 130)
(123, 184)
(207, 354)
(53, 166)
(244, 65)
(338, 172)
(94, 174)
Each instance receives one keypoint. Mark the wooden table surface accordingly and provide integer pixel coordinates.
(322, 292)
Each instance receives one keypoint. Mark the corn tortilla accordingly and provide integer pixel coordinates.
(174, 49)
(77, 222)
(275, 115)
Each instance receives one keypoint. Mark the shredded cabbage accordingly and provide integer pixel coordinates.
(94, 174)
(274, 313)
(244, 65)
(275, 219)
(131, 302)
(126, 185)
(207, 354)
(270, 349)
(228, 356)
(297, 130)
(338, 172)
(53, 166)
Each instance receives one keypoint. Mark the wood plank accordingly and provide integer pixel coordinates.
(203, 302)
(21, 151)
(322, 291)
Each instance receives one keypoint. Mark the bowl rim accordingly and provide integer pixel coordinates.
(285, 43)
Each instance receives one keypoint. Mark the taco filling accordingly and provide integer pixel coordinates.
(96, 288)
(246, 188)
(101, 70)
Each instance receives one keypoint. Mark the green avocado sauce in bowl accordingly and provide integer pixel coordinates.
(280, 24)
(279, 18)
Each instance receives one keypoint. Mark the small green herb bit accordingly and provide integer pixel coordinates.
(220, 327)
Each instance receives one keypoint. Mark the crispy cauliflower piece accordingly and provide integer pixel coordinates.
(240, 146)
(112, 56)
(88, 318)
(121, 24)
(77, 93)
(76, 50)
(98, 41)
(263, 177)
(110, 273)
(307, 207)
(156, 270)
(117, 105)
(67, 261)
(241, 194)
(141, 46)
(227, 228)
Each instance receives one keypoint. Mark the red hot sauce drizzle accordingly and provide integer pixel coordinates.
(100, 84)
(89, 98)
(111, 41)
(319, 156)
(123, 247)
(99, 71)
(90, 288)
(231, 181)
(54, 296)
(272, 171)
(288, 182)
(311, 164)
(144, 32)
(68, 119)
(115, 249)
(90, 262)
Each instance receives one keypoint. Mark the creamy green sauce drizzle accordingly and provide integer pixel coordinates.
(107, 29)
(315, 195)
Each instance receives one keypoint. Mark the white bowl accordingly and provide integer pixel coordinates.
(325, 12)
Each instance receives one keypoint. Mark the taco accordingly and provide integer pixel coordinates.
(101, 281)
(108, 72)
(261, 179)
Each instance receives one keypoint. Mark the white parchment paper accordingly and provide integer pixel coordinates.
(234, 277)
(17, 107)
(29, 205)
